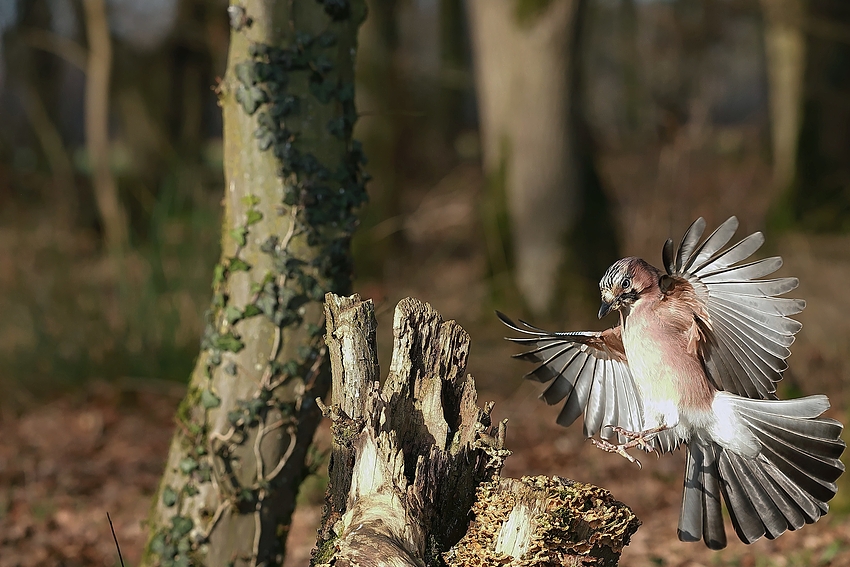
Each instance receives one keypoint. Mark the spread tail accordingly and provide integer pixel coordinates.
(786, 485)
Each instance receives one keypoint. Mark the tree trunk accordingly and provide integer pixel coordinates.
(410, 459)
(292, 178)
(98, 72)
(785, 51)
(820, 199)
(522, 64)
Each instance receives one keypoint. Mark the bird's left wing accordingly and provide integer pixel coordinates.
(747, 326)
(589, 370)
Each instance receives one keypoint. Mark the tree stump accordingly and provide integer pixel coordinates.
(411, 459)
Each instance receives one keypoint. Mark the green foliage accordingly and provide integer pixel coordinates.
(75, 318)
(209, 400)
(169, 497)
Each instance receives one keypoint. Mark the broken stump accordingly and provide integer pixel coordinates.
(414, 460)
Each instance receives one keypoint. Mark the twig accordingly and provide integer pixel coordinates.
(114, 537)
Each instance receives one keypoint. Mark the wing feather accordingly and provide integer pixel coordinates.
(747, 329)
(586, 369)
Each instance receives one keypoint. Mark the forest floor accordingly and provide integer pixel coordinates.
(68, 461)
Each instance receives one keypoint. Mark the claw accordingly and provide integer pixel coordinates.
(619, 449)
(641, 440)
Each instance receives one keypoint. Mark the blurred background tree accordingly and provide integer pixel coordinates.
(596, 123)
(516, 148)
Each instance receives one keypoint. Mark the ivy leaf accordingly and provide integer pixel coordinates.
(232, 314)
(253, 217)
(250, 311)
(218, 275)
(187, 465)
(209, 400)
(246, 73)
(238, 265)
(239, 235)
(169, 496)
(158, 544)
(250, 200)
(228, 342)
(245, 97)
(180, 526)
(205, 473)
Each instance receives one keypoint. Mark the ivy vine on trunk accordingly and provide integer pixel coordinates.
(293, 182)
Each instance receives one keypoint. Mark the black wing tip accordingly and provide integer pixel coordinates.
(667, 256)
(504, 319)
(509, 323)
(688, 537)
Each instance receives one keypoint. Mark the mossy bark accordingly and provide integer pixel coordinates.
(539, 521)
(292, 181)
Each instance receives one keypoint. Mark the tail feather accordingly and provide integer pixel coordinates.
(790, 508)
(701, 516)
(821, 439)
(745, 508)
(785, 486)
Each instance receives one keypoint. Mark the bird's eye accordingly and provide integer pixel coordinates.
(627, 283)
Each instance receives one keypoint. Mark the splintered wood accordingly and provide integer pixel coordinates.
(411, 461)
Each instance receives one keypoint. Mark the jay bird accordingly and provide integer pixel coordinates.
(695, 360)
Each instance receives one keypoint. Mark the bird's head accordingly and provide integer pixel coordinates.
(624, 283)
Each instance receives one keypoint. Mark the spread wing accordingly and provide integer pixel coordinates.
(589, 371)
(747, 330)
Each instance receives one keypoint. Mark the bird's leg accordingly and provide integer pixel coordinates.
(612, 448)
(638, 439)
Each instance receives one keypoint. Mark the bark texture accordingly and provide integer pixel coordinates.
(413, 461)
(292, 181)
(408, 456)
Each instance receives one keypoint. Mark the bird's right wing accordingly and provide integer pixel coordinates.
(589, 370)
(749, 329)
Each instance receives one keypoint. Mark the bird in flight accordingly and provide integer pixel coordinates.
(694, 361)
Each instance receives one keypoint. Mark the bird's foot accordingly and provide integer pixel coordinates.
(620, 449)
(639, 439)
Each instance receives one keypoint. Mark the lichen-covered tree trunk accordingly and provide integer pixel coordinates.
(292, 181)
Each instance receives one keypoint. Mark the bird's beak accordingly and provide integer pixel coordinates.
(604, 309)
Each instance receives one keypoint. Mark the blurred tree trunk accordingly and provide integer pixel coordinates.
(98, 72)
(522, 60)
(820, 197)
(785, 50)
(380, 130)
(292, 181)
